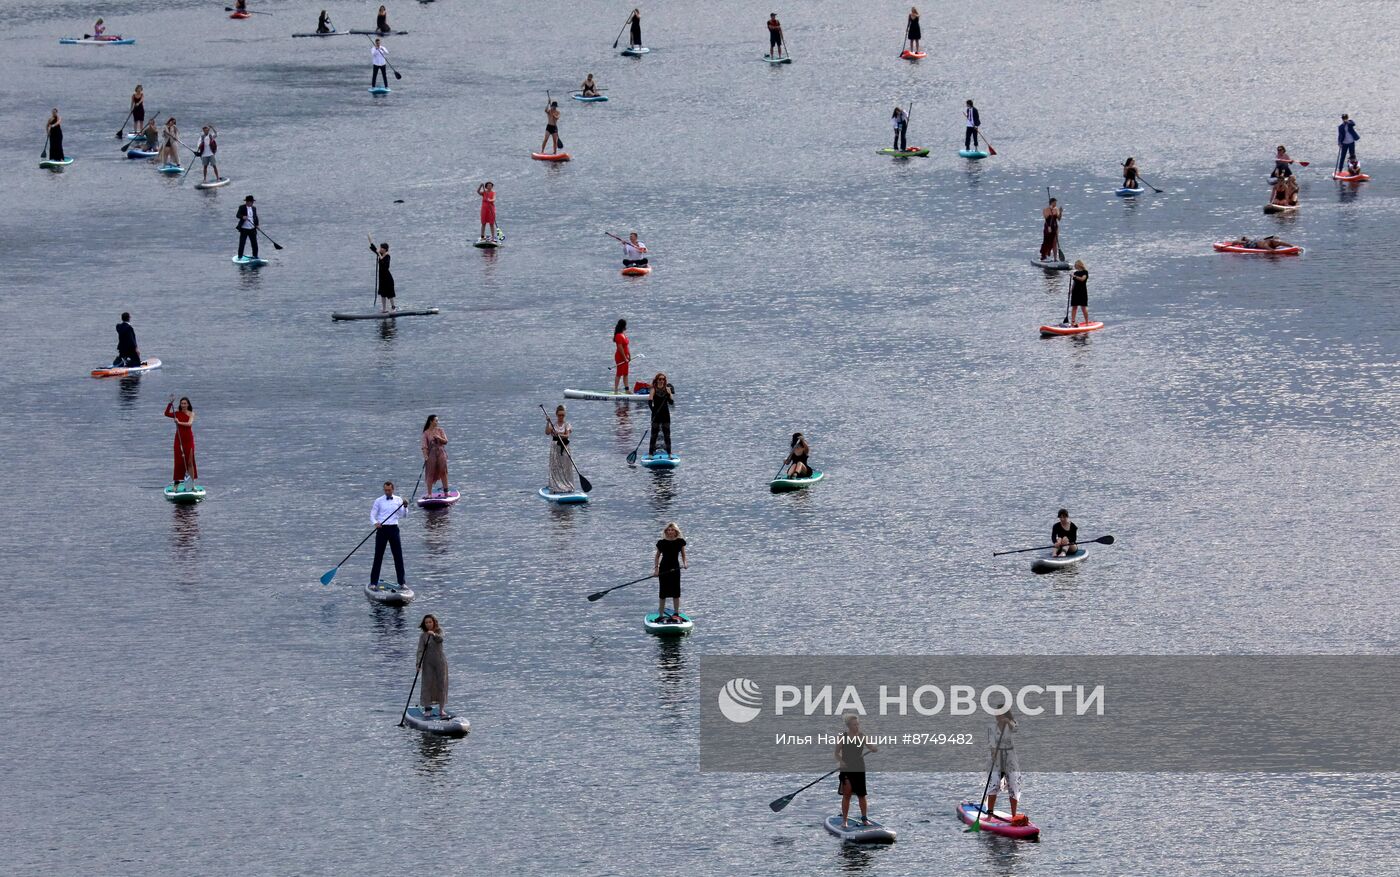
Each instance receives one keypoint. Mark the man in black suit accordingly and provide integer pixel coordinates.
(247, 226)
(128, 354)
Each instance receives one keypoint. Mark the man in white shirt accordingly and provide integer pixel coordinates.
(379, 57)
(974, 125)
(385, 514)
(634, 252)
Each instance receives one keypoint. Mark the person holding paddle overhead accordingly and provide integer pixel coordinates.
(208, 147)
(487, 191)
(912, 32)
(551, 127)
(1346, 142)
(974, 124)
(797, 457)
(138, 108)
(183, 415)
(900, 122)
(247, 216)
(323, 24)
(385, 514)
(1002, 761)
(379, 61)
(661, 400)
(381, 21)
(1130, 171)
(561, 471)
(1064, 534)
(432, 665)
(634, 39)
(850, 756)
(383, 280)
(1050, 230)
(434, 447)
(622, 356)
(53, 129)
(589, 87)
(1078, 292)
(128, 351)
(776, 43)
(666, 565)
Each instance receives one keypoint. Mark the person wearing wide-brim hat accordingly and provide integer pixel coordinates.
(247, 225)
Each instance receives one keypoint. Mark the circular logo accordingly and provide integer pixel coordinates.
(740, 700)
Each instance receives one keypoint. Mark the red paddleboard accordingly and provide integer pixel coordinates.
(550, 156)
(998, 822)
(635, 271)
(912, 56)
(1066, 329)
(1351, 178)
(241, 15)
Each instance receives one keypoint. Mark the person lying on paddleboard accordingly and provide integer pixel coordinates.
(913, 33)
(1130, 169)
(634, 40)
(384, 280)
(622, 356)
(666, 565)
(1346, 141)
(850, 757)
(385, 514)
(432, 668)
(1002, 764)
(551, 127)
(207, 150)
(775, 36)
(660, 400)
(1064, 534)
(487, 191)
(323, 24)
(381, 21)
(1268, 243)
(561, 471)
(589, 87)
(798, 450)
(899, 121)
(1078, 292)
(128, 351)
(434, 447)
(1050, 231)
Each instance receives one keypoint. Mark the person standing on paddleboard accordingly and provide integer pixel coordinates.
(634, 40)
(912, 32)
(208, 147)
(381, 21)
(323, 24)
(1064, 534)
(138, 108)
(1002, 764)
(385, 514)
(561, 471)
(900, 122)
(247, 216)
(796, 461)
(169, 151)
(128, 352)
(184, 440)
(661, 400)
(1346, 141)
(383, 279)
(434, 447)
(622, 356)
(551, 127)
(487, 191)
(776, 43)
(432, 667)
(1078, 292)
(850, 757)
(379, 61)
(1050, 231)
(666, 565)
(1130, 171)
(974, 125)
(53, 129)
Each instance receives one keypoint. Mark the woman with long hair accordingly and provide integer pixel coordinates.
(184, 439)
(432, 667)
(622, 356)
(660, 400)
(666, 565)
(561, 471)
(434, 447)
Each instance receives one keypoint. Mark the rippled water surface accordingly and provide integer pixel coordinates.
(180, 691)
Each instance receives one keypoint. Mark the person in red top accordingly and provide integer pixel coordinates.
(622, 356)
(487, 191)
(184, 438)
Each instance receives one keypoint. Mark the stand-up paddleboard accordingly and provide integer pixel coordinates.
(390, 594)
(488, 244)
(661, 460)
(550, 156)
(1051, 264)
(635, 51)
(433, 723)
(380, 33)
(911, 152)
(183, 493)
(50, 164)
(330, 33)
(384, 315)
(1280, 208)
(142, 153)
(171, 169)
(786, 484)
(380, 89)
(593, 99)
(605, 395)
(121, 371)
(1125, 192)
(249, 261)
(1227, 247)
(214, 184)
(239, 16)
(857, 831)
(1066, 329)
(574, 498)
(636, 271)
(973, 154)
(1351, 178)
(653, 625)
(913, 56)
(780, 60)
(1048, 563)
(89, 41)
(997, 822)
(439, 500)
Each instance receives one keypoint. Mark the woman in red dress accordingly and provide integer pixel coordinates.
(487, 191)
(622, 356)
(184, 438)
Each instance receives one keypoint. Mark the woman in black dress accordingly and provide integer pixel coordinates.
(54, 128)
(666, 565)
(914, 34)
(661, 401)
(1079, 292)
(384, 281)
(634, 39)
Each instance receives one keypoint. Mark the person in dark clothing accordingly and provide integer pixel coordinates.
(974, 124)
(1065, 534)
(1079, 292)
(661, 401)
(900, 122)
(128, 353)
(247, 226)
(384, 280)
(666, 565)
(634, 41)
(385, 514)
(1346, 141)
(850, 753)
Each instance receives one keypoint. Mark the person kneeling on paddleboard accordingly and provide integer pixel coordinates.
(1064, 534)
(128, 353)
(666, 565)
(1003, 762)
(1130, 174)
(850, 757)
(797, 457)
(634, 252)
(381, 21)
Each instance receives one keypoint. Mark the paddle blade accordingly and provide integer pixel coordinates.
(398, 75)
(991, 150)
(975, 826)
(330, 574)
(632, 459)
(778, 805)
(594, 598)
(1104, 540)
(585, 484)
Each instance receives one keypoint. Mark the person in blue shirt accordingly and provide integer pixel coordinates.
(1346, 141)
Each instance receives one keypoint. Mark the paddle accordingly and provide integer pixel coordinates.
(122, 129)
(275, 245)
(125, 146)
(991, 150)
(417, 666)
(977, 823)
(330, 573)
(44, 153)
(905, 45)
(627, 360)
(1149, 185)
(396, 73)
(582, 482)
(632, 457)
(249, 11)
(778, 805)
(594, 598)
(1102, 540)
(624, 28)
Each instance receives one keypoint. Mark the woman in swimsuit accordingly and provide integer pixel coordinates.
(53, 128)
(384, 281)
(589, 87)
(99, 29)
(1130, 174)
(168, 153)
(551, 127)
(1079, 292)
(666, 565)
(1291, 190)
(797, 457)
(487, 191)
(138, 108)
(913, 33)
(381, 21)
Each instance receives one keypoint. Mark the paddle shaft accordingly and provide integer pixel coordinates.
(326, 579)
(122, 129)
(908, 24)
(125, 146)
(632, 457)
(582, 482)
(595, 597)
(624, 29)
(977, 823)
(1149, 185)
(785, 800)
(1102, 540)
(387, 62)
(277, 246)
(417, 666)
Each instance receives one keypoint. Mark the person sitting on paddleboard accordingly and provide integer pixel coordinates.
(666, 565)
(152, 135)
(208, 147)
(169, 154)
(99, 29)
(622, 356)
(385, 514)
(1078, 292)
(1002, 764)
(379, 63)
(138, 108)
(1353, 168)
(1346, 141)
(128, 352)
(1291, 187)
(551, 127)
(589, 87)
(561, 471)
(53, 129)
(912, 31)
(1130, 169)
(381, 21)
(1279, 193)
(798, 450)
(1282, 162)
(775, 36)
(900, 122)
(384, 280)
(634, 40)
(432, 667)
(183, 415)
(323, 24)
(660, 400)
(850, 757)
(434, 447)
(1050, 231)
(634, 252)
(974, 125)
(1064, 534)
(487, 191)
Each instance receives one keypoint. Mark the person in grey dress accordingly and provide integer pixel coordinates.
(432, 666)
(561, 471)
